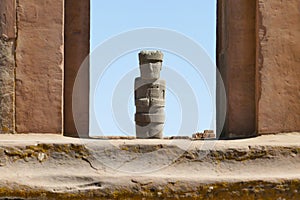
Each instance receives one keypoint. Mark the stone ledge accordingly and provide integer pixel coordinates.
(52, 167)
(287, 189)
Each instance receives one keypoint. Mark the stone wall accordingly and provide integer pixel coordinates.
(31, 66)
(278, 66)
(259, 60)
(39, 66)
(7, 65)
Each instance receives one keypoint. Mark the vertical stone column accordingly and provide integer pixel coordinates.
(149, 95)
(236, 59)
(77, 48)
(7, 65)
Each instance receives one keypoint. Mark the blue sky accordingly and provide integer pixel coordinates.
(195, 19)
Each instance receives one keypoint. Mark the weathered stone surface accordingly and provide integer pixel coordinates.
(8, 19)
(173, 189)
(7, 86)
(149, 96)
(236, 63)
(7, 65)
(278, 67)
(77, 36)
(39, 71)
(34, 166)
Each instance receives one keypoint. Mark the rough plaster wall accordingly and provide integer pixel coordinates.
(278, 72)
(236, 62)
(7, 65)
(39, 66)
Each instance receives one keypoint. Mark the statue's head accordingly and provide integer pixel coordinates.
(150, 64)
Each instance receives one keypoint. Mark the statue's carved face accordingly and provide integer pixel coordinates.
(151, 70)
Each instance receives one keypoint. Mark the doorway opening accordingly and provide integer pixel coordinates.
(114, 116)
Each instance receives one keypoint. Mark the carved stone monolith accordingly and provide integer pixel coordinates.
(149, 95)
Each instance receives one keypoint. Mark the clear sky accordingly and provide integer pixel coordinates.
(195, 19)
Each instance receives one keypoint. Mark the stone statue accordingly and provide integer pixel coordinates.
(149, 96)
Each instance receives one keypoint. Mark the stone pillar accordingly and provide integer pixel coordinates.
(149, 95)
(39, 66)
(7, 65)
(77, 48)
(236, 59)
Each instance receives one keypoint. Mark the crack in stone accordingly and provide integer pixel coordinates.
(90, 163)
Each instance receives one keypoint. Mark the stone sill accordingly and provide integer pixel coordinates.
(288, 139)
(53, 166)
